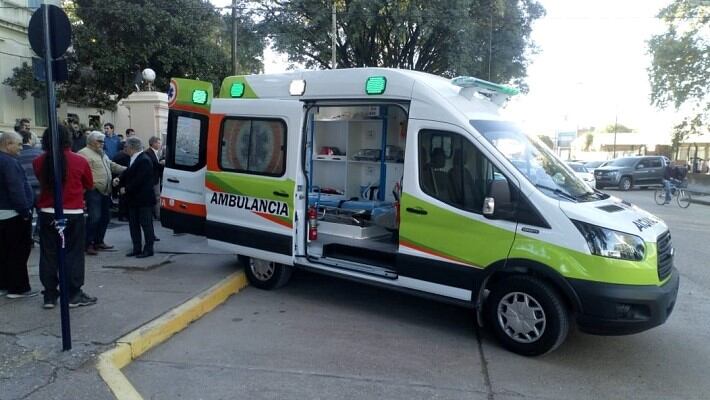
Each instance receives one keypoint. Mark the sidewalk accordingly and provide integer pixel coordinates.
(131, 292)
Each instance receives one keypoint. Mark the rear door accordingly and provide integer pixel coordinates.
(252, 177)
(182, 200)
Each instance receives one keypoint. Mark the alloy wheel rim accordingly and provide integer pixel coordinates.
(521, 317)
(262, 270)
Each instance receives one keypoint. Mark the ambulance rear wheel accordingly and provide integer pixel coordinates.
(266, 274)
(527, 315)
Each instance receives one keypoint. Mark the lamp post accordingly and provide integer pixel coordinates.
(616, 121)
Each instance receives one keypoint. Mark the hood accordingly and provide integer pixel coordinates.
(617, 214)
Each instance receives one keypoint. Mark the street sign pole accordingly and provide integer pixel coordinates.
(57, 147)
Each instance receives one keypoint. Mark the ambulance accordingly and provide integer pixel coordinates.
(414, 182)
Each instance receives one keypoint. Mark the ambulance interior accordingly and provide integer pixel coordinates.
(354, 165)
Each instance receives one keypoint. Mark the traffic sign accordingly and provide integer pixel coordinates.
(59, 31)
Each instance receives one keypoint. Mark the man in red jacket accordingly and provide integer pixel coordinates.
(76, 179)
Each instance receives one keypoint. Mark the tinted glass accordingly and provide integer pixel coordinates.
(254, 146)
(187, 141)
(453, 170)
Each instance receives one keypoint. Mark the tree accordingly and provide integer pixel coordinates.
(546, 139)
(588, 141)
(618, 128)
(489, 39)
(114, 41)
(680, 69)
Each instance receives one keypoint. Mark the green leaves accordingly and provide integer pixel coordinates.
(483, 38)
(680, 71)
(112, 41)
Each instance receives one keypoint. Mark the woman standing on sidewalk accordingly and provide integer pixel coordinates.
(76, 178)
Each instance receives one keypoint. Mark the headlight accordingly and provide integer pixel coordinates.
(609, 243)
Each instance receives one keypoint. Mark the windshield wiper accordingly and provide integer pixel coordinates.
(558, 192)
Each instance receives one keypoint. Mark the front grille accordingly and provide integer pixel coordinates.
(665, 257)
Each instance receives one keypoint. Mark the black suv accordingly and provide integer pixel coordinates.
(627, 172)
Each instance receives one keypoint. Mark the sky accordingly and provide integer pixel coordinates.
(590, 70)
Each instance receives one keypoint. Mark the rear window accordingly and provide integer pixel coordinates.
(577, 167)
(253, 146)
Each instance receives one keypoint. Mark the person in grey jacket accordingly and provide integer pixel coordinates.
(16, 201)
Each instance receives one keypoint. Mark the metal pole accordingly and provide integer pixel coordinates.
(616, 120)
(59, 220)
(333, 65)
(235, 64)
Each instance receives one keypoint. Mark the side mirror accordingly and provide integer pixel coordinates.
(640, 166)
(497, 204)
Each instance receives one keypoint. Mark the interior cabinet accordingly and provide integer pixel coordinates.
(353, 155)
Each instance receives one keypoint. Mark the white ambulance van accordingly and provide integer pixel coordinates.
(414, 182)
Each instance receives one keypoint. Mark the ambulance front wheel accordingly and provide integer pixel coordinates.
(265, 274)
(527, 315)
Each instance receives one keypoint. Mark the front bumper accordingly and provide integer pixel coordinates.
(610, 309)
(607, 180)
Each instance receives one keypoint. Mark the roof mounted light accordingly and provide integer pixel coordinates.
(237, 89)
(297, 87)
(376, 85)
(496, 92)
(199, 96)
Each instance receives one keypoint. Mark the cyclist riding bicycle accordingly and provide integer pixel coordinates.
(673, 177)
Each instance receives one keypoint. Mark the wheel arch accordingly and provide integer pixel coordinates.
(502, 269)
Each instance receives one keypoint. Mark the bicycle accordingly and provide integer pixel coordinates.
(682, 196)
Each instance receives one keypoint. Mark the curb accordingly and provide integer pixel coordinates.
(133, 345)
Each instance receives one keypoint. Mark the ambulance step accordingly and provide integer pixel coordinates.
(362, 268)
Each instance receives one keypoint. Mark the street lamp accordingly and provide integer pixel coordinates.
(149, 76)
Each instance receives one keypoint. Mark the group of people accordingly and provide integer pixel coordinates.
(89, 176)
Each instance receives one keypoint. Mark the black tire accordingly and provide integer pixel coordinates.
(625, 183)
(265, 274)
(541, 301)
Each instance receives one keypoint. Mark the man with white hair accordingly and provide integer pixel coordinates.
(98, 200)
(16, 200)
(136, 184)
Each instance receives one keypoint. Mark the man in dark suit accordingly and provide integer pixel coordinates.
(153, 151)
(136, 184)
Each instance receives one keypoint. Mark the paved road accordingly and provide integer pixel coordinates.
(324, 338)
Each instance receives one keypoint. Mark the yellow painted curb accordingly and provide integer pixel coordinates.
(131, 346)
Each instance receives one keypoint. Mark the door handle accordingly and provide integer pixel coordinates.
(173, 180)
(280, 193)
(417, 210)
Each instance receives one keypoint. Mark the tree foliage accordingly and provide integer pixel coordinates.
(680, 71)
(112, 41)
(489, 39)
(616, 127)
(547, 140)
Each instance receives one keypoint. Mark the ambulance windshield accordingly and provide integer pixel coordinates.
(535, 160)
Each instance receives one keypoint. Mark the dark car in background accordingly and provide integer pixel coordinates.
(627, 172)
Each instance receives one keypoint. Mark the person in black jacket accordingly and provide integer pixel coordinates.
(153, 151)
(136, 184)
(16, 201)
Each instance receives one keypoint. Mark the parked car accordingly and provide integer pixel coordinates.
(627, 172)
(591, 165)
(583, 172)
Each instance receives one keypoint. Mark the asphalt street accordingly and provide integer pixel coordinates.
(325, 338)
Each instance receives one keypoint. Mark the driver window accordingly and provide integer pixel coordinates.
(453, 170)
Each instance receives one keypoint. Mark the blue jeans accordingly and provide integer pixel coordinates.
(99, 215)
(667, 188)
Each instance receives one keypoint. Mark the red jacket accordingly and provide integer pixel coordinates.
(77, 181)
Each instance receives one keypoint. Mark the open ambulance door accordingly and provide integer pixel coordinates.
(252, 178)
(182, 199)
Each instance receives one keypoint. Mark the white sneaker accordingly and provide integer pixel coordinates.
(29, 293)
